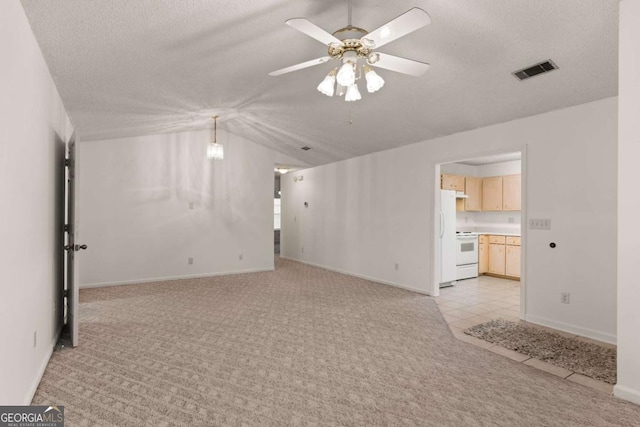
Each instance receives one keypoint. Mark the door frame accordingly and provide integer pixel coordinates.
(524, 220)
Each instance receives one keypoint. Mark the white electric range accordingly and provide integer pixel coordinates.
(466, 255)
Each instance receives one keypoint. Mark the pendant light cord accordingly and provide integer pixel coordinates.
(349, 11)
(215, 129)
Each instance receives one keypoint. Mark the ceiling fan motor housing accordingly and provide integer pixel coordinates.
(353, 40)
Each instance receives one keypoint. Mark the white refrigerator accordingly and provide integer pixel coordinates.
(448, 270)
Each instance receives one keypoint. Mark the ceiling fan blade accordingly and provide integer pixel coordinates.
(312, 30)
(404, 24)
(300, 66)
(400, 65)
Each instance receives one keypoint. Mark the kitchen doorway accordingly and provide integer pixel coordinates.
(277, 209)
(480, 239)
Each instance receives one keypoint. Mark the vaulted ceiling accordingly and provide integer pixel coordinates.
(127, 68)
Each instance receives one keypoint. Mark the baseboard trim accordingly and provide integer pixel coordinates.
(500, 276)
(166, 279)
(31, 392)
(588, 333)
(360, 276)
(626, 393)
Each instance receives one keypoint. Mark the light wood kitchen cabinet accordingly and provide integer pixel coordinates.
(452, 182)
(503, 255)
(483, 258)
(497, 239)
(492, 193)
(511, 191)
(513, 240)
(501, 193)
(512, 261)
(473, 189)
(497, 260)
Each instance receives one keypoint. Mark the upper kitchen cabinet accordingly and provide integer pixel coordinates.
(492, 193)
(511, 192)
(501, 193)
(473, 189)
(452, 182)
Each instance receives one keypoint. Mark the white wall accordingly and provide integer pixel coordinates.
(134, 208)
(33, 130)
(368, 213)
(510, 167)
(497, 169)
(628, 386)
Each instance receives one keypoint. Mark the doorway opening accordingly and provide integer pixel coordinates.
(480, 239)
(277, 209)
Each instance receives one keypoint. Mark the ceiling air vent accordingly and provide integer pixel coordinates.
(305, 148)
(543, 67)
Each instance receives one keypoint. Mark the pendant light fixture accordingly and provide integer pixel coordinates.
(215, 151)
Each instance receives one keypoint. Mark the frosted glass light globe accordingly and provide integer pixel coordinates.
(327, 86)
(347, 75)
(374, 81)
(353, 94)
(215, 151)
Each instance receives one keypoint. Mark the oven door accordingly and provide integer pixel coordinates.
(467, 250)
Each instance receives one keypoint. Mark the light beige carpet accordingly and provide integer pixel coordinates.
(298, 346)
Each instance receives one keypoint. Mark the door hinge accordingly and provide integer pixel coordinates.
(66, 228)
(67, 162)
(65, 293)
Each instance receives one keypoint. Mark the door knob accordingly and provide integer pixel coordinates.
(79, 247)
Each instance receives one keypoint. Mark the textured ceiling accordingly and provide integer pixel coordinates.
(127, 68)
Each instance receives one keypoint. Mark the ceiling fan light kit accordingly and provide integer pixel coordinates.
(328, 85)
(353, 94)
(374, 81)
(356, 49)
(347, 74)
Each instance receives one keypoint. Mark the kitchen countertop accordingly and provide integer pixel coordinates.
(498, 234)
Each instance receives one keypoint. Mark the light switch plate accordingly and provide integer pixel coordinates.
(540, 223)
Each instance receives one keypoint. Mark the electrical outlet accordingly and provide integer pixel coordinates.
(511, 220)
(397, 266)
(564, 297)
(190, 261)
(240, 257)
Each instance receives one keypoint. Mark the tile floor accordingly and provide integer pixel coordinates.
(474, 301)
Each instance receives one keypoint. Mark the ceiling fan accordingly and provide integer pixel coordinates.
(357, 48)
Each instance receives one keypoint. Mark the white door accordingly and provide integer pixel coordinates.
(72, 247)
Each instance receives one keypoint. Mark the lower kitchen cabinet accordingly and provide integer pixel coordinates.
(499, 255)
(497, 260)
(483, 254)
(512, 260)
